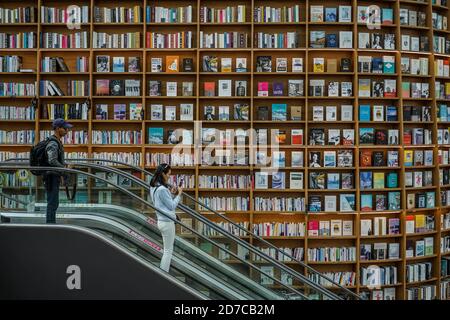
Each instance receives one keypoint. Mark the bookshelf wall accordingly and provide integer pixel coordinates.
(349, 190)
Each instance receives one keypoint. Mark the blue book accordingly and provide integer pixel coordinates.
(277, 89)
(391, 113)
(366, 135)
(330, 14)
(387, 16)
(430, 199)
(278, 180)
(331, 40)
(155, 135)
(377, 65)
(365, 180)
(443, 112)
(392, 180)
(366, 202)
(389, 64)
(394, 200)
(333, 181)
(118, 64)
(364, 112)
(279, 112)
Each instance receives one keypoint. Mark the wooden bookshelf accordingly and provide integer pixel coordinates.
(251, 26)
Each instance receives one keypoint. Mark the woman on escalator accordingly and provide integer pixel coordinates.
(165, 198)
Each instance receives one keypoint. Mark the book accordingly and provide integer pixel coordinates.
(225, 64)
(264, 64)
(172, 64)
(103, 63)
(118, 64)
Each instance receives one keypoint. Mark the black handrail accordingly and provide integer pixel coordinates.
(346, 290)
(281, 266)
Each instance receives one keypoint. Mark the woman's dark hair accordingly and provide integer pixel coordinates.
(157, 178)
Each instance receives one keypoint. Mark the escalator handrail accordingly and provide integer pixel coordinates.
(145, 172)
(139, 199)
(312, 270)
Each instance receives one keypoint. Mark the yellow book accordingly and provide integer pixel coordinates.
(420, 223)
(172, 64)
(378, 180)
(319, 64)
(409, 156)
(447, 89)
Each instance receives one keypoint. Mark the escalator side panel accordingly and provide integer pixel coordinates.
(35, 260)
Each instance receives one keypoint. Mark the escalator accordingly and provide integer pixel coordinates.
(239, 278)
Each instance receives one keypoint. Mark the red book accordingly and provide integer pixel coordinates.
(366, 158)
(297, 136)
(313, 228)
(407, 137)
(210, 89)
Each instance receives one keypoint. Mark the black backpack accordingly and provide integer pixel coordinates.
(38, 156)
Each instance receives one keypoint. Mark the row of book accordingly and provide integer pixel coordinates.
(344, 278)
(380, 88)
(369, 180)
(184, 180)
(297, 253)
(156, 88)
(443, 113)
(68, 111)
(419, 272)
(132, 158)
(9, 203)
(78, 88)
(55, 40)
(445, 197)
(77, 137)
(442, 90)
(17, 89)
(5, 155)
(226, 40)
(174, 64)
(418, 179)
(118, 15)
(225, 181)
(377, 113)
(332, 254)
(228, 14)
(376, 276)
(439, 22)
(415, 89)
(57, 64)
(225, 203)
(71, 14)
(369, 158)
(322, 39)
(283, 14)
(330, 14)
(333, 228)
(279, 204)
(427, 292)
(116, 87)
(441, 44)
(383, 201)
(379, 251)
(206, 230)
(445, 244)
(17, 137)
(21, 40)
(185, 113)
(420, 200)
(116, 137)
(158, 14)
(261, 181)
(103, 63)
(17, 113)
(17, 179)
(279, 229)
(413, 66)
(173, 159)
(382, 65)
(119, 111)
(130, 40)
(412, 18)
(442, 68)
(263, 64)
(381, 226)
(10, 63)
(179, 40)
(18, 15)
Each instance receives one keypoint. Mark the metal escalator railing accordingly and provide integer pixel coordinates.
(120, 231)
(348, 293)
(310, 285)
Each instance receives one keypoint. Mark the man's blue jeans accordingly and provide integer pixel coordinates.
(52, 183)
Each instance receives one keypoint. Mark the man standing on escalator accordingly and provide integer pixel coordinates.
(55, 158)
